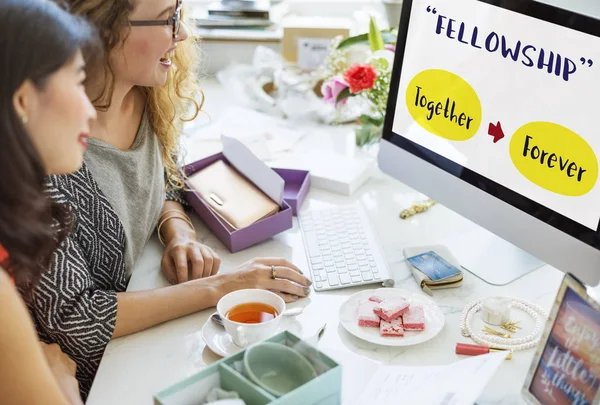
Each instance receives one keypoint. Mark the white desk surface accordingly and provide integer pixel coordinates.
(137, 366)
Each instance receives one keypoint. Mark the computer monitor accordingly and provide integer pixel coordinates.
(493, 111)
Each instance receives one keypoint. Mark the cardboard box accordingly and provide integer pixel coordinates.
(326, 389)
(306, 39)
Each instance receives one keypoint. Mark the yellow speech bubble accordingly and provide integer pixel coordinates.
(444, 104)
(555, 158)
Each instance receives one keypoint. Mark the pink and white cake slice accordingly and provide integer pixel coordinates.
(391, 308)
(376, 298)
(366, 316)
(414, 319)
(391, 329)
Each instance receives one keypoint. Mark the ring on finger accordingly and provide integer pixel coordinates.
(273, 272)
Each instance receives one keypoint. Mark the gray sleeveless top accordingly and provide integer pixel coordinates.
(133, 182)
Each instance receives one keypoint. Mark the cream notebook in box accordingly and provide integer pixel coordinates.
(238, 202)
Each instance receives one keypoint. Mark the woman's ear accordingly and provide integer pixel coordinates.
(23, 100)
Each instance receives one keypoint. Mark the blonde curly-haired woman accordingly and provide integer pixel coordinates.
(130, 184)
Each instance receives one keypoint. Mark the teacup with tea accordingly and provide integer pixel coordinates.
(251, 315)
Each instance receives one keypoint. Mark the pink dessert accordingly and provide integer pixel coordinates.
(376, 298)
(366, 316)
(393, 329)
(414, 319)
(391, 308)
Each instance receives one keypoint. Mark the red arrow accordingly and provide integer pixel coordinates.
(496, 131)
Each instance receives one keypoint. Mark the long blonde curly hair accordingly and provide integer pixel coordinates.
(168, 106)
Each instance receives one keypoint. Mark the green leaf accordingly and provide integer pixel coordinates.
(388, 36)
(343, 95)
(367, 119)
(375, 39)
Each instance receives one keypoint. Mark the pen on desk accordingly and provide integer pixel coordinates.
(474, 350)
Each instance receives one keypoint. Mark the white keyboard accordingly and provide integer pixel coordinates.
(342, 249)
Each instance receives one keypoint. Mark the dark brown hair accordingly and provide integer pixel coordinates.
(37, 38)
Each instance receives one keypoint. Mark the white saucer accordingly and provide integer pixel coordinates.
(434, 318)
(220, 342)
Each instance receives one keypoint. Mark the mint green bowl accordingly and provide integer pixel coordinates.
(277, 368)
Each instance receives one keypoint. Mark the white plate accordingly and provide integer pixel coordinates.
(221, 343)
(434, 318)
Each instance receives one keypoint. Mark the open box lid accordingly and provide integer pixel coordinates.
(245, 162)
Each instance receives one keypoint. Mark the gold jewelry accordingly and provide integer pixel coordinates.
(511, 326)
(417, 208)
(273, 272)
(490, 331)
(182, 217)
(169, 211)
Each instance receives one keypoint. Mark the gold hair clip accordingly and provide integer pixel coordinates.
(490, 331)
(511, 326)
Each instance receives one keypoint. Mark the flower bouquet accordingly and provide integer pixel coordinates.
(361, 66)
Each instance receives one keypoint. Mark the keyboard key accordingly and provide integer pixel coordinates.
(333, 279)
(344, 279)
(331, 269)
(318, 266)
(352, 267)
(365, 269)
(356, 279)
(319, 285)
(361, 263)
(355, 273)
(329, 262)
(367, 276)
(377, 276)
(311, 244)
(372, 263)
(316, 259)
(341, 270)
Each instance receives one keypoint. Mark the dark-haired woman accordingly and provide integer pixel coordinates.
(44, 120)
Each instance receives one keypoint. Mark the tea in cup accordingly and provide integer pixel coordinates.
(251, 315)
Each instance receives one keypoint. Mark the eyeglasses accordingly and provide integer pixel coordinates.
(174, 20)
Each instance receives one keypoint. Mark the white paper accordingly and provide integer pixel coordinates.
(354, 370)
(459, 383)
(312, 52)
(257, 172)
(260, 132)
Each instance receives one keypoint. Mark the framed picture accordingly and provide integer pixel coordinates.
(566, 366)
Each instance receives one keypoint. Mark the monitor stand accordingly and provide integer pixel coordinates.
(491, 258)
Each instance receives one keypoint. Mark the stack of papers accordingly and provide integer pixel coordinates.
(366, 382)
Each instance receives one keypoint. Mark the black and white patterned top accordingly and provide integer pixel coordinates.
(75, 302)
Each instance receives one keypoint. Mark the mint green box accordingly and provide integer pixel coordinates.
(326, 389)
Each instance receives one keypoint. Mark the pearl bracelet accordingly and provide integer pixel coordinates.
(539, 315)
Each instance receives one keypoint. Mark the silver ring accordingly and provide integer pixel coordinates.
(273, 272)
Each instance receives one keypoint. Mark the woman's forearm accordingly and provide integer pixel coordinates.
(141, 310)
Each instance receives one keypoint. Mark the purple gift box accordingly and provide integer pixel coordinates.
(297, 184)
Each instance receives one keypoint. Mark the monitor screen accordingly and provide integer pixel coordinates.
(504, 96)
